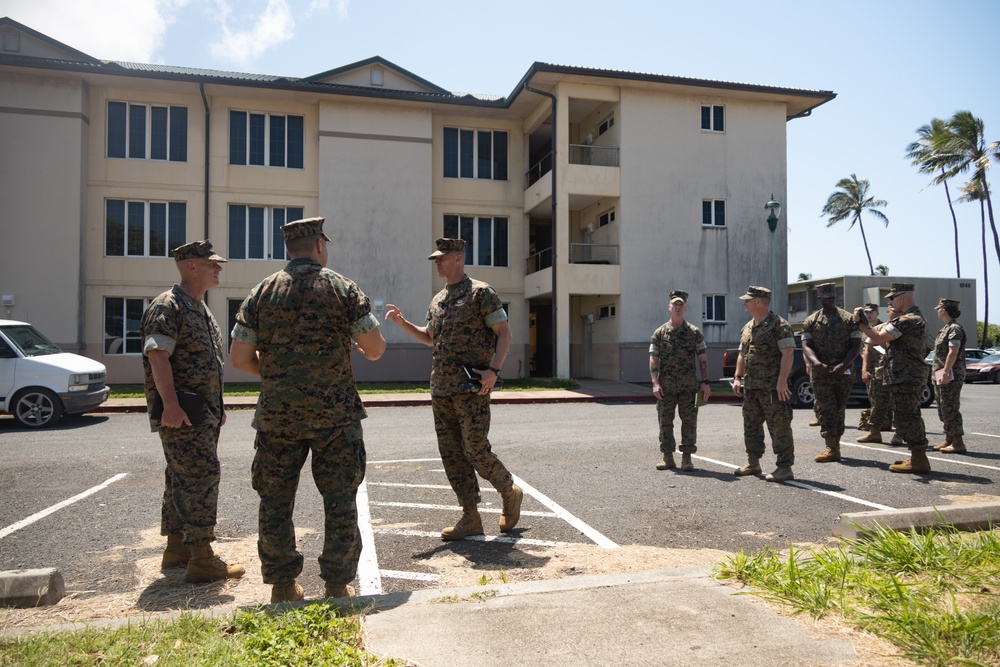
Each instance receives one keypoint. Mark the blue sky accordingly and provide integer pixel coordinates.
(894, 65)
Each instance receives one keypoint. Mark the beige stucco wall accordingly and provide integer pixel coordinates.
(40, 253)
(667, 168)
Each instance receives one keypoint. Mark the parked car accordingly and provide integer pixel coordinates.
(39, 383)
(803, 395)
(971, 354)
(983, 370)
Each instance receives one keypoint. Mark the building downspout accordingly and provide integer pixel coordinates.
(208, 136)
(555, 235)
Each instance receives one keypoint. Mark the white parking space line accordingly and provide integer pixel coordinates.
(455, 508)
(596, 537)
(443, 487)
(58, 506)
(475, 538)
(807, 487)
(988, 435)
(369, 578)
(377, 463)
(410, 576)
(842, 496)
(903, 451)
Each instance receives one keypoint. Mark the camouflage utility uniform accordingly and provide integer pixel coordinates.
(878, 391)
(302, 320)
(906, 375)
(460, 319)
(676, 350)
(949, 396)
(830, 340)
(761, 346)
(186, 330)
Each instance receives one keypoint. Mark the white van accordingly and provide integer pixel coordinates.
(39, 382)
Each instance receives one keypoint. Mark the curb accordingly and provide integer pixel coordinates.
(31, 588)
(970, 517)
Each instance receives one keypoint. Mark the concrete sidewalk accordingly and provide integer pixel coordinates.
(664, 618)
(588, 391)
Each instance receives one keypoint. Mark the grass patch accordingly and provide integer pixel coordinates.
(935, 595)
(315, 634)
(253, 388)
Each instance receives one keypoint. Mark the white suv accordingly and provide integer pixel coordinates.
(39, 382)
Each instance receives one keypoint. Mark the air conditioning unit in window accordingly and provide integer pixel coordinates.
(589, 140)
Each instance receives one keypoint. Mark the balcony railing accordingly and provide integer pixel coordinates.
(540, 260)
(538, 170)
(593, 253)
(600, 156)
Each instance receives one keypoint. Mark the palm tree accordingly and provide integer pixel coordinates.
(804, 276)
(881, 270)
(974, 191)
(850, 201)
(925, 155)
(964, 147)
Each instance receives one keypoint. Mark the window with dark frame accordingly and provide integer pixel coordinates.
(140, 131)
(486, 238)
(272, 140)
(472, 153)
(606, 218)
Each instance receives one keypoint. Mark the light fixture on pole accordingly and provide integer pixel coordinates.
(772, 223)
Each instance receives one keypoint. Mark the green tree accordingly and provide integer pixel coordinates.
(925, 154)
(974, 191)
(851, 200)
(964, 148)
(881, 270)
(804, 276)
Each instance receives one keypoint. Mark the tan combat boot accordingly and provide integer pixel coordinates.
(863, 423)
(751, 467)
(511, 512)
(957, 446)
(814, 422)
(338, 591)
(686, 464)
(469, 524)
(288, 592)
(667, 463)
(780, 474)
(917, 464)
(832, 452)
(205, 566)
(873, 435)
(177, 554)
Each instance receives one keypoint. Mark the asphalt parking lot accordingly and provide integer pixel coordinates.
(84, 497)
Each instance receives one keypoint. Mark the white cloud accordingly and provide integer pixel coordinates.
(131, 30)
(319, 6)
(270, 29)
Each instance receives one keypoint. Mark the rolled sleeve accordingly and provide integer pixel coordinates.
(857, 334)
(363, 325)
(654, 349)
(786, 342)
(244, 334)
(954, 343)
(893, 331)
(496, 317)
(159, 342)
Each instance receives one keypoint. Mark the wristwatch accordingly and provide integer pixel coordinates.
(495, 370)
(705, 382)
(738, 377)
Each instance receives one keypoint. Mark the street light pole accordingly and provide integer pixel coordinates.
(772, 223)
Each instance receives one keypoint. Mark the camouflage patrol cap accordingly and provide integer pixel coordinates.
(678, 295)
(298, 229)
(946, 303)
(754, 292)
(826, 290)
(870, 307)
(197, 250)
(444, 246)
(899, 288)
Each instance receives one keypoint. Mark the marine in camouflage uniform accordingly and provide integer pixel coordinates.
(295, 330)
(949, 376)
(879, 395)
(767, 344)
(673, 351)
(467, 326)
(183, 351)
(831, 342)
(906, 335)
